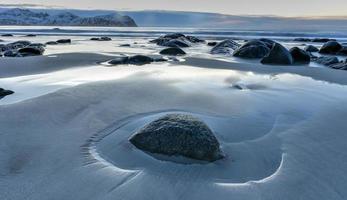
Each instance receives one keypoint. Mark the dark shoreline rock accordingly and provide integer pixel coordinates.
(300, 56)
(252, 49)
(311, 48)
(4, 92)
(64, 41)
(331, 47)
(172, 51)
(278, 55)
(134, 60)
(327, 60)
(176, 40)
(178, 135)
(225, 47)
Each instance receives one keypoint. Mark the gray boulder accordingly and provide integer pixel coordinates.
(178, 135)
(252, 49)
(52, 43)
(327, 60)
(311, 48)
(278, 55)
(225, 47)
(300, 56)
(172, 51)
(331, 47)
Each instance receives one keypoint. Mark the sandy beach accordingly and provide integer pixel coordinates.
(65, 131)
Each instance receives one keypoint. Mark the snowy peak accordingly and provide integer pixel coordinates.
(19, 16)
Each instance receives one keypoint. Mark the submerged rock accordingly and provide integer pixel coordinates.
(300, 56)
(179, 135)
(225, 47)
(30, 35)
(212, 44)
(64, 41)
(322, 40)
(125, 45)
(135, 60)
(340, 65)
(172, 51)
(7, 35)
(52, 43)
(327, 60)
(252, 49)
(101, 39)
(4, 92)
(330, 47)
(278, 55)
(311, 48)
(302, 40)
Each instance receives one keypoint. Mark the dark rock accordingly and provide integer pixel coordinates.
(322, 40)
(52, 43)
(134, 60)
(302, 40)
(4, 92)
(31, 51)
(330, 47)
(212, 44)
(172, 51)
(252, 49)
(311, 48)
(340, 65)
(176, 40)
(18, 44)
(30, 35)
(11, 53)
(64, 41)
(40, 45)
(327, 60)
(343, 51)
(176, 43)
(278, 55)
(269, 43)
(124, 45)
(225, 47)
(7, 35)
(178, 135)
(140, 60)
(101, 39)
(300, 56)
(119, 60)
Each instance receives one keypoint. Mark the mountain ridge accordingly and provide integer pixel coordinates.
(20, 16)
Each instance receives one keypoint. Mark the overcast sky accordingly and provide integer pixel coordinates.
(234, 7)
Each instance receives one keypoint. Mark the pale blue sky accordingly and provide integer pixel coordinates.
(236, 7)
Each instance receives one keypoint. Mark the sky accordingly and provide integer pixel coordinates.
(287, 8)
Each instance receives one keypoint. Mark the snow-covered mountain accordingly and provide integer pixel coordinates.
(19, 16)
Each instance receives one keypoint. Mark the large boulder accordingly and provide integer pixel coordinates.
(225, 47)
(176, 40)
(300, 56)
(252, 49)
(331, 47)
(311, 48)
(178, 135)
(172, 51)
(269, 43)
(176, 43)
(278, 55)
(327, 60)
(31, 51)
(4, 92)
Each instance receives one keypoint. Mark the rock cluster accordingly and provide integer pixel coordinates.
(225, 47)
(178, 135)
(21, 48)
(176, 40)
